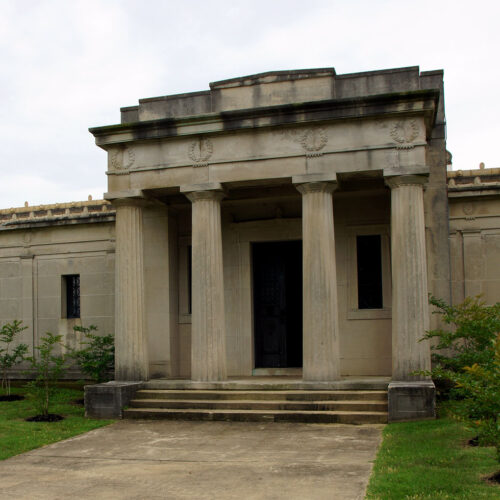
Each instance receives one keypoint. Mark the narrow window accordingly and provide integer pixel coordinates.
(369, 260)
(71, 287)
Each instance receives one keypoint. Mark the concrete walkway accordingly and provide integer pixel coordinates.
(198, 460)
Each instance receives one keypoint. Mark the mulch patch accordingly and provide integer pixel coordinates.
(51, 417)
(12, 397)
(473, 441)
(494, 478)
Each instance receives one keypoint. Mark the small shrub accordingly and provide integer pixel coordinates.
(474, 326)
(8, 357)
(470, 364)
(479, 406)
(97, 359)
(46, 368)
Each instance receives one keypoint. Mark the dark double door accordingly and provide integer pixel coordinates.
(277, 294)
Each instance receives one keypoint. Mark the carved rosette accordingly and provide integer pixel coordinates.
(123, 158)
(200, 151)
(404, 132)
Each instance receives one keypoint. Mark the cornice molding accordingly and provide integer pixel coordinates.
(413, 103)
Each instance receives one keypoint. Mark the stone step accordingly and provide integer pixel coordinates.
(260, 405)
(273, 384)
(325, 417)
(262, 395)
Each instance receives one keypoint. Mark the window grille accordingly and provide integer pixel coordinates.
(72, 285)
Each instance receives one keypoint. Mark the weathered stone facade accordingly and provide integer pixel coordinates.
(39, 246)
(474, 198)
(197, 180)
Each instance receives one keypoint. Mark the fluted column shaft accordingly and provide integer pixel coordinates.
(410, 308)
(130, 339)
(208, 333)
(321, 359)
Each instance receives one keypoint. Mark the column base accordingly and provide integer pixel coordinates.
(412, 401)
(107, 400)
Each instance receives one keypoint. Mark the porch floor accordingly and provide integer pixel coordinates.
(274, 383)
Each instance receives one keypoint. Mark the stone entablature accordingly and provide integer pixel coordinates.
(386, 132)
(56, 214)
(274, 126)
(364, 134)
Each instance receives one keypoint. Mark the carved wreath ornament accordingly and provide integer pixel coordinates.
(123, 158)
(312, 140)
(201, 150)
(404, 133)
(468, 208)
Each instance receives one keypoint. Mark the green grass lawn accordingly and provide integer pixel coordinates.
(430, 460)
(18, 436)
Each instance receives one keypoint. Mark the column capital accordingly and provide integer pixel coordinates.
(406, 180)
(316, 187)
(206, 191)
(193, 196)
(315, 183)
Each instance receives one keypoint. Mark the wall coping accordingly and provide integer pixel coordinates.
(56, 214)
(474, 182)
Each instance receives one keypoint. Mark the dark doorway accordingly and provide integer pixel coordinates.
(277, 295)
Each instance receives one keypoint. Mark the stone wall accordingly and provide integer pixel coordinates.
(40, 245)
(474, 198)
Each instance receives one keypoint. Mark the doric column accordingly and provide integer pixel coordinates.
(130, 340)
(410, 308)
(321, 359)
(208, 332)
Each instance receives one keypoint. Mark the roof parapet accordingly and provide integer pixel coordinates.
(71, 211)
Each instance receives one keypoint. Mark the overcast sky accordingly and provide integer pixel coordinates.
(68, 65)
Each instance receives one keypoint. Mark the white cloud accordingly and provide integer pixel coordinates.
(36, 190)
(71, 65)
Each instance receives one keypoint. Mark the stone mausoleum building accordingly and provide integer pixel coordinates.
(289, 223)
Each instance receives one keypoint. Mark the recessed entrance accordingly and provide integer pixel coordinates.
(277, 295)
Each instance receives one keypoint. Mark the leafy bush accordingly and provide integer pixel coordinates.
(479, 387)
(8, 357)
(474, 326)
(46, 368)
(97, 360)
(470, 362)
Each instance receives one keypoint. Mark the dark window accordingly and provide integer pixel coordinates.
(369, 259)
(72, 286)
